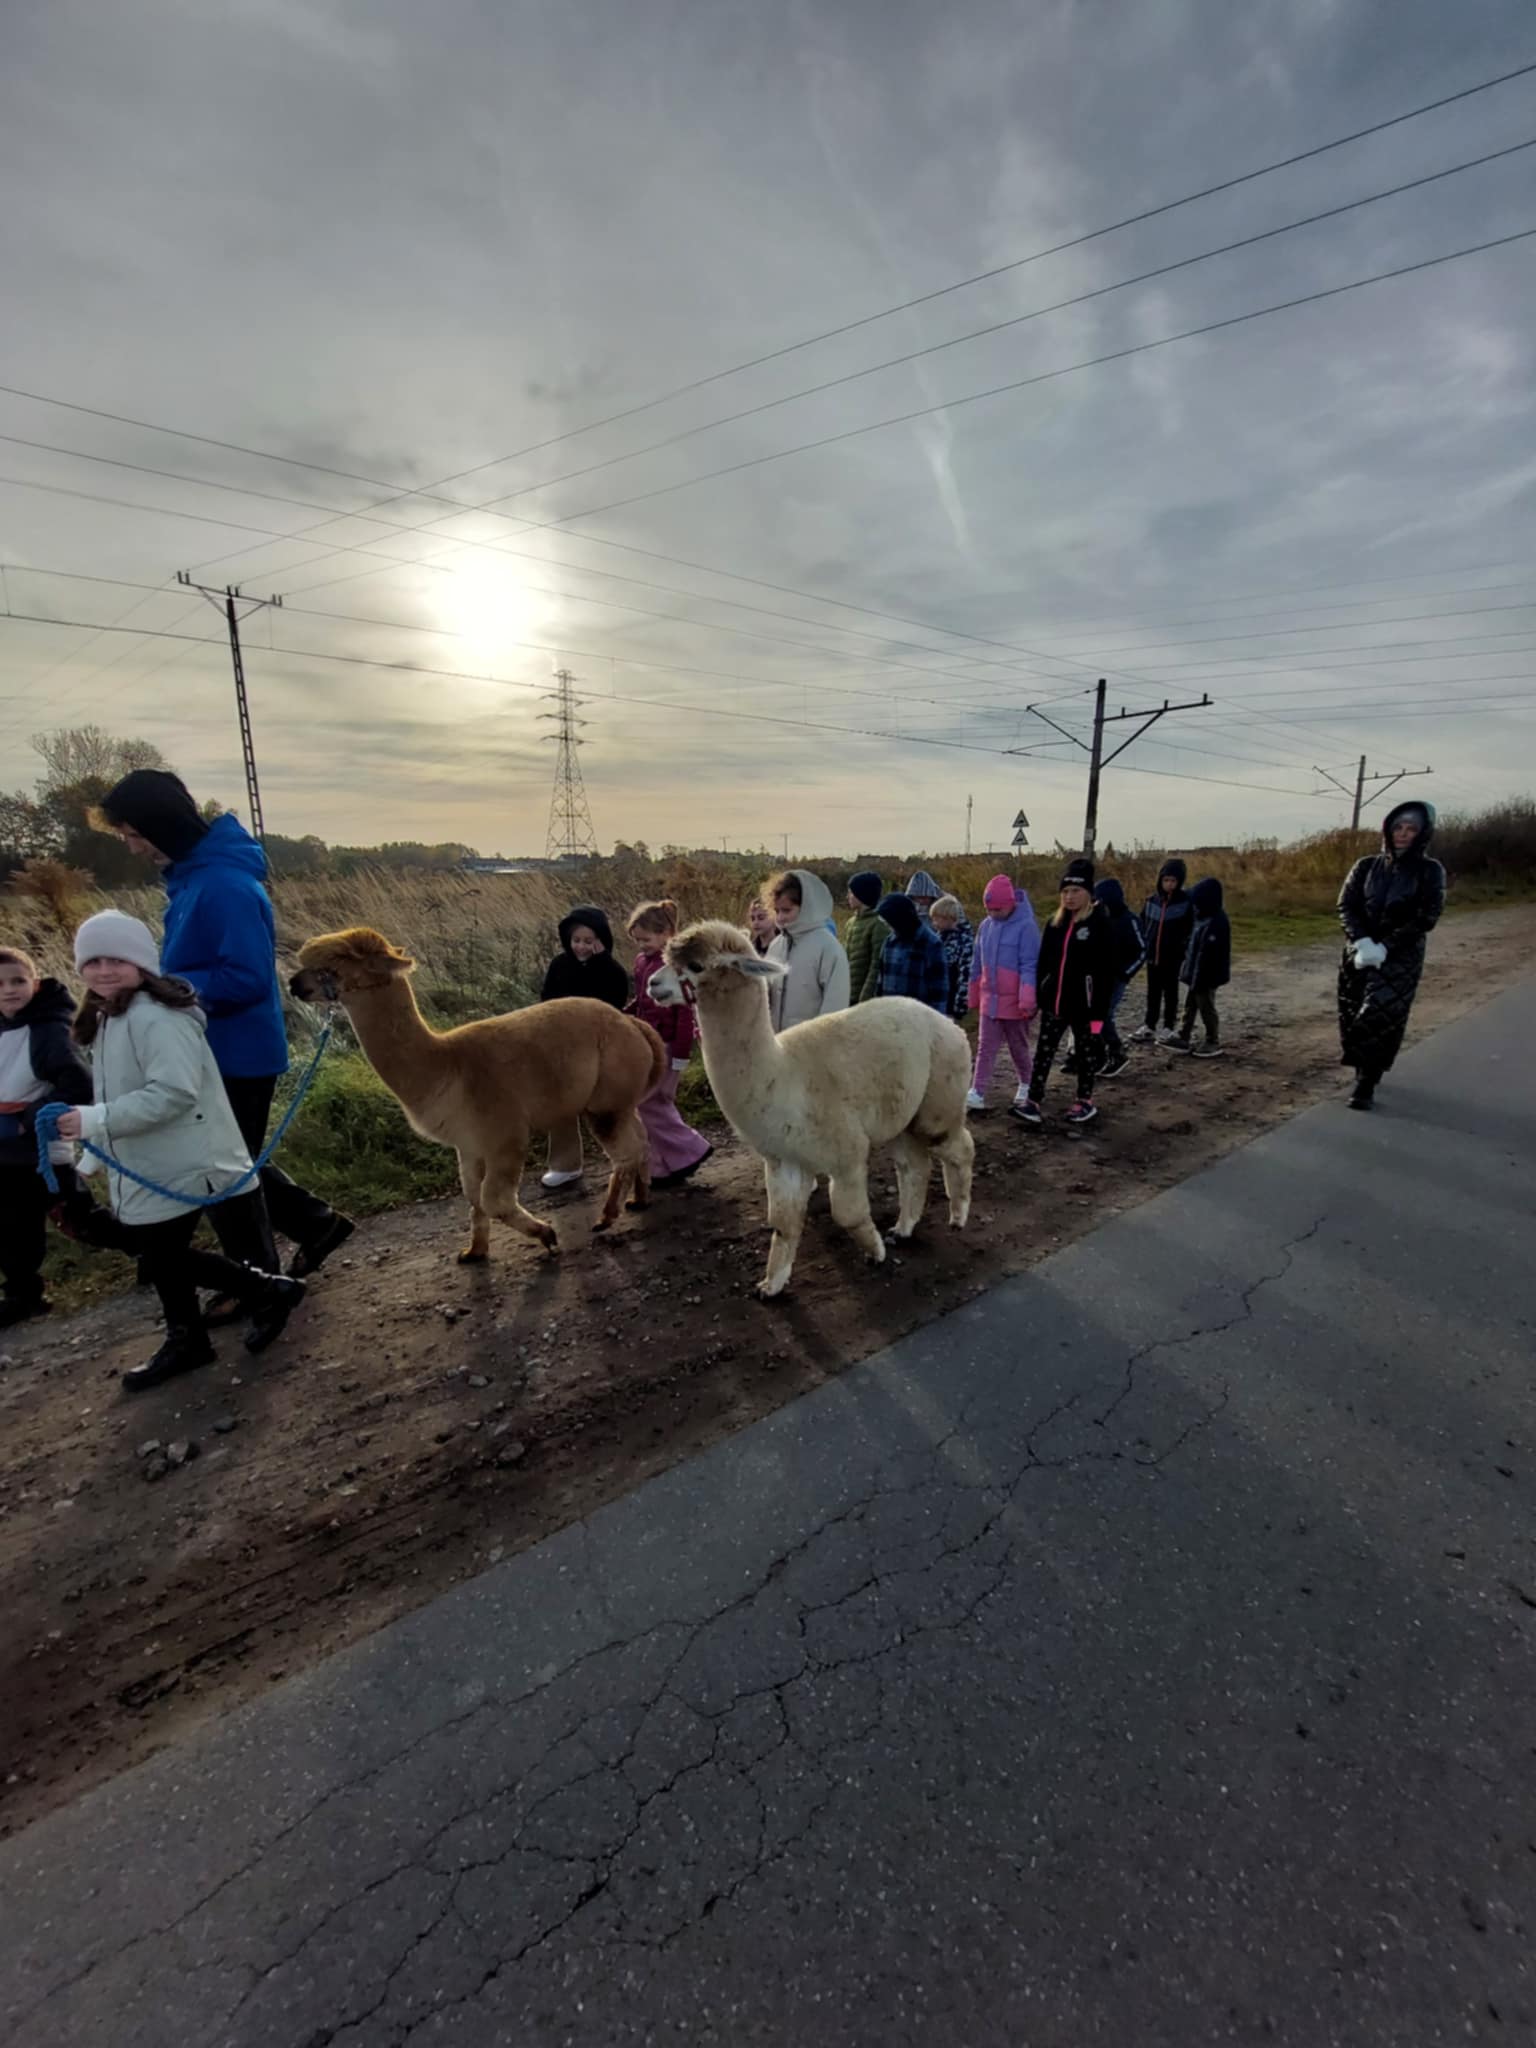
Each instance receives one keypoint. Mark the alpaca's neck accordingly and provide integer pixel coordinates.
(402, 1049)
(742, 1057)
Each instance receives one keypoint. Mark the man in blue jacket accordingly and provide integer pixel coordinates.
(221, 937)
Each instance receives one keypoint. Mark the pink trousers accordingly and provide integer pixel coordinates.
(674, 1144)
(994, 1033)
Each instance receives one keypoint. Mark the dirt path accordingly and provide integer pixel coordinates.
(424, 1419)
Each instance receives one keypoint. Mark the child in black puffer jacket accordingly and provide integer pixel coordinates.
(1167, 919)
(1207, 967)
(1075, 978)
(38, 1064)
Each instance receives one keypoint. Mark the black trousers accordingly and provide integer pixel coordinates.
(1201, 1002)
(1084, 1045)
(176, 1269)
(1162, 996)
(293, 1212)
(24, 1205)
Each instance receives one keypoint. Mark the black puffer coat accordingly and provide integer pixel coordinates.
(601, 977)
(41, 1065)
(1397, 900)
(1167, 921)
(1208, 957)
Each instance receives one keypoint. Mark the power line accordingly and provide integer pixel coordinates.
(1126, 625)
(835, 686)
(1001, 326)
(1341, 626)
(655, 703)
(999, 270)
(1062, 370)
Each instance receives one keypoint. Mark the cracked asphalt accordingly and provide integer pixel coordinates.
(1142, 1654)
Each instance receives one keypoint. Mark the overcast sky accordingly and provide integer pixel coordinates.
(406, 241)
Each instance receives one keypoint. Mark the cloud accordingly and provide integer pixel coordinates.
(406, 244)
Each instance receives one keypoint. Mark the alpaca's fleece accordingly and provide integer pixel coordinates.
(486, 1088)
(814, 1099)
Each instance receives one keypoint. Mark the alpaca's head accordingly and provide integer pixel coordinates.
(338, 964)
(709, 959)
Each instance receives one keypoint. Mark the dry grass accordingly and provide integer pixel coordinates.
(482, 941)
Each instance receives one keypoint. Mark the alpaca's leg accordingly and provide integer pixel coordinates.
(471, 1177)
(789, 1192)
(957, 1156)
(848, 1193)
(914, 1163)
(499, 1197)
(622, 1137)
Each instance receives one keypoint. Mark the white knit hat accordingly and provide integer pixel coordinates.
(114, 935)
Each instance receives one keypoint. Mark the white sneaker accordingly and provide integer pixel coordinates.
(562, 1180)
(1167, 1035)
(975, 1101)
(1143, 1035)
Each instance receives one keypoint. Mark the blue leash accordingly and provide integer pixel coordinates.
(48, 1116)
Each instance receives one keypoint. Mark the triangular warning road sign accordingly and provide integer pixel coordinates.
(1019, 839)
(1020, 822)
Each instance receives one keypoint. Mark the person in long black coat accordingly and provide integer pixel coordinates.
(584, 966)
(1391, 901)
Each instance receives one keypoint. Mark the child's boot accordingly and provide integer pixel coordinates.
(183, 1351)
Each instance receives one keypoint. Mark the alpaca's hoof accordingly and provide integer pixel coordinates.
(470, 1257)
(635, 1204)
(768, 1290)
(602, 1223)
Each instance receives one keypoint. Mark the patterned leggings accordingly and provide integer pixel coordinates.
(1052, 1030)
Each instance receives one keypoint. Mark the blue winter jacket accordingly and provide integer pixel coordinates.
(220, 936)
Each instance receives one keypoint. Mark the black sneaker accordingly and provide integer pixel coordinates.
(1179, 1044)
(1026, 1113)
(1115, 1064)
(270, 1312)
(309, 1258)
(182, 1351)
(14, 1310)
(1209, 1051)
(1082, 1112)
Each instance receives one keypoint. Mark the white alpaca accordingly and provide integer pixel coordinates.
(814, 1099)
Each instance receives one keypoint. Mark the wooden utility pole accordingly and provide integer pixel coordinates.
(1386, 777)
(970, 805)
(225, 601)
(1098, 760)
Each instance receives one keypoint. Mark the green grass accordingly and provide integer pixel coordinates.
(351, 1144)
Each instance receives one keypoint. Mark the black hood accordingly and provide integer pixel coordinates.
(160, 808)
(1177, 869)
(53, 1004)
(1110, 894)
(1421, 844)
(594, 919)
(901, 914)
(1206, 896)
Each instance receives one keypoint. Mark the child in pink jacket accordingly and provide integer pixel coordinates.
(1003, 985)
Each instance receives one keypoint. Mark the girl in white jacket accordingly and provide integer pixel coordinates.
(160, 1109)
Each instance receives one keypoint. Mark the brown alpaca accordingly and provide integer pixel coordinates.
(485, 1088)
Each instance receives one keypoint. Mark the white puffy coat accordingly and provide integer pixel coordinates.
(161, 1109)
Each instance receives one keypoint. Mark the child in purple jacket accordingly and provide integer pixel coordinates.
(1003, 985)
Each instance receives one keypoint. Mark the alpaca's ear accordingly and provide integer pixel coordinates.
(401, 962)
(755, 966)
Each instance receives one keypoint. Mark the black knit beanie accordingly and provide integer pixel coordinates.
(160, 808)
(866, 887)
(1078, 874)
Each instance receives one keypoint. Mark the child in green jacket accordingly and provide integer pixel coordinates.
(864, 936)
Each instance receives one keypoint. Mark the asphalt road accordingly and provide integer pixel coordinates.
(1142, 1655)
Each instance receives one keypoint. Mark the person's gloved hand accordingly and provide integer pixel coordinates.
(1370, 953)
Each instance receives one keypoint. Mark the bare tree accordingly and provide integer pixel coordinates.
(86, 753)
